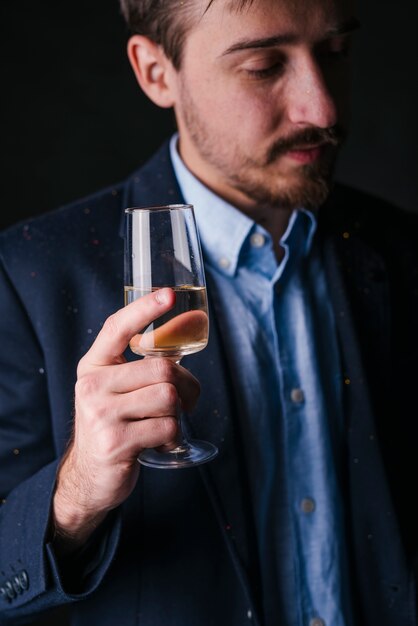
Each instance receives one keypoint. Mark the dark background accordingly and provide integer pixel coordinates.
(74, 119)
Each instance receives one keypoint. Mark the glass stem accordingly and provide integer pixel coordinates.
(183, 446)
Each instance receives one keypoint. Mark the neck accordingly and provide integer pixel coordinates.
(274, 220)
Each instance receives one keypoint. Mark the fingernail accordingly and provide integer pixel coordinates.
(161, 296)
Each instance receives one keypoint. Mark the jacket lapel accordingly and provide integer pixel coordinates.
(213, 420)
(224, 477)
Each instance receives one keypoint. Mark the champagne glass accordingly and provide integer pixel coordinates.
(162, 249)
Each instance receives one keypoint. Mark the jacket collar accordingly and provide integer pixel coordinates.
(154, 183)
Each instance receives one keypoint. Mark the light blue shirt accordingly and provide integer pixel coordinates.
(280, 335)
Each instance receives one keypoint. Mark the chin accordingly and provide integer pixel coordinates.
(310, 195)
(309, 189)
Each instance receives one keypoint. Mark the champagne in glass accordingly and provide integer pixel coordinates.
(162, 249)
(183, 330)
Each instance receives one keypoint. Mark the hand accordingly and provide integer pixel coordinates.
(120, 409)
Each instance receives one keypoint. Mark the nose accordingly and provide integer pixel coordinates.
(310, 101)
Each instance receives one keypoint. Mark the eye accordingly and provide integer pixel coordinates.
(267, 68)
(266, 72)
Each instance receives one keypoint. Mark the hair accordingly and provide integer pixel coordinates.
(167, 22)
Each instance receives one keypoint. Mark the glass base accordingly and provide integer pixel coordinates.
(189, 454)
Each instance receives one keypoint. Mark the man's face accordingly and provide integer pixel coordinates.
(261, 99)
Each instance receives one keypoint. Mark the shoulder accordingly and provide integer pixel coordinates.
(39, 255)
(372, 240)
(104, 205)
(57, 227)
(85, 236)
(355, 212)
(68, 220)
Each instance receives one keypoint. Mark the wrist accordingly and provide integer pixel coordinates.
(73, 519)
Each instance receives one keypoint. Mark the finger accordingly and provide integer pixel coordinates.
(155, 401)
(162, 432)
(122, 379)
(101, 410)
(118, 329)
(160, 400)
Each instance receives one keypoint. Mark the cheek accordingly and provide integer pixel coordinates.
(244, 112)
(260, 122)
(247, 114)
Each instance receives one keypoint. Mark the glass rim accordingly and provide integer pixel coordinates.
(158, 207)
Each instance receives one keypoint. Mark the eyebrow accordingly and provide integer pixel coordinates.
(344, 28)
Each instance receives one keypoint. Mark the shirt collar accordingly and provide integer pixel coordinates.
(224, 229)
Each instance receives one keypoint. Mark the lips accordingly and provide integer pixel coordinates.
(305, 155)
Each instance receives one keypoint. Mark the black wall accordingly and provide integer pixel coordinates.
(381, 155)
(74, 119)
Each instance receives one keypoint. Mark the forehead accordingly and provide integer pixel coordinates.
(297, 6)
(228, 18)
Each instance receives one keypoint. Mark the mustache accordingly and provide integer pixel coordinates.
(333, 136)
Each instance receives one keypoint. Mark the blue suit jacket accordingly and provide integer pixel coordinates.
(179, 551)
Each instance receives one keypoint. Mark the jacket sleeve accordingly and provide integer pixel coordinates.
(31, 577)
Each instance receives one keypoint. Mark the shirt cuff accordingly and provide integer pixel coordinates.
(79, 573)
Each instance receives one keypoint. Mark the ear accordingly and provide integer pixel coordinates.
(152, 69)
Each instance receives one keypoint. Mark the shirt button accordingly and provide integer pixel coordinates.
(317, 621)
(257, 240)
(308, 506)
(224, 263)
(297, 396)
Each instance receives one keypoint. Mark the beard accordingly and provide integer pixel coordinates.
(306, 186)
(262, 179)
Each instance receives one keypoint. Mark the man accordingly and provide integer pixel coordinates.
(306, 516)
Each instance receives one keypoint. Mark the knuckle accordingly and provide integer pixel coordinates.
(81, 367)
(163, 370)
(168, 394)
(87, 385)
(111, 326)
(92, 404)
(168, 427)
